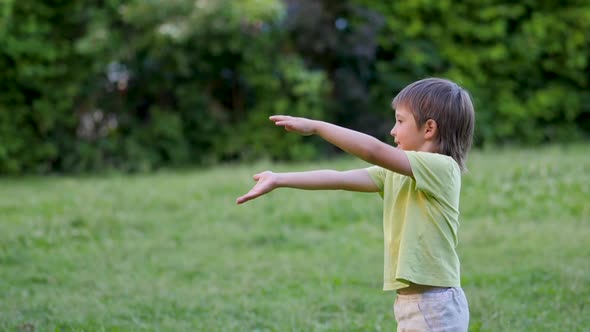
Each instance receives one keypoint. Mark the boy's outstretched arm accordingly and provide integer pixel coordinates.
(353, 180)
(361, 145)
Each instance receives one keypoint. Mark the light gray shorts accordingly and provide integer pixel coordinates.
(441, 310)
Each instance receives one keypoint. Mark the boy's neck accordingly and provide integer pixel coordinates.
(429, 146)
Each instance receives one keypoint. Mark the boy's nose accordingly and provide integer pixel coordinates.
(392, 132)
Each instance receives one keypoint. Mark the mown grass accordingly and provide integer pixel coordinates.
(172, 252)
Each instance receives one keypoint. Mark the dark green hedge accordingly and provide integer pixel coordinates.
(136, 85)
(526, 63)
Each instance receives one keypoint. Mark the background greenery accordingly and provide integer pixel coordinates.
(135, 85)
(172, 252)
(141, 85)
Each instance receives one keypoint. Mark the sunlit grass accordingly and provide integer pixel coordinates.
(172, 252)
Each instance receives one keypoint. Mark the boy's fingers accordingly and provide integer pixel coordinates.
(276, 118)
(259, 175)
(242, 199)
(254, 192)
(247, 197)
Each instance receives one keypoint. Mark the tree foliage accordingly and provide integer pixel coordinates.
(526, 63)
(136, 85)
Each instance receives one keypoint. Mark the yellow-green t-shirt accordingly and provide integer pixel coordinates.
(420, 221)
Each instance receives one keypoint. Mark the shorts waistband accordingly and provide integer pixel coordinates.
(433, 294)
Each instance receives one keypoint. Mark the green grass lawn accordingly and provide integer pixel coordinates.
(172, 252)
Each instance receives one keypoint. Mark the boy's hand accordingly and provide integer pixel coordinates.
(266, 183)
(300, 126)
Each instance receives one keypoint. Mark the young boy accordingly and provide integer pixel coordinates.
(420, 182)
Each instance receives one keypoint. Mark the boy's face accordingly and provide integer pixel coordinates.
(406, 134)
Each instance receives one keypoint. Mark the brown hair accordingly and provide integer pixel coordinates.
(450, 106)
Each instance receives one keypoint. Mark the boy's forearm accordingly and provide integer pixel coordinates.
(354, 180)
(361, 145)
(365, 147)
(312, 180)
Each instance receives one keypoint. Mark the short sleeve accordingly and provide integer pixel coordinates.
(435, 174)
(377, 174)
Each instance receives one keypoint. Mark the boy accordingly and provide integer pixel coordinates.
(420, 182)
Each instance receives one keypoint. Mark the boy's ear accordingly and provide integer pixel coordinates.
(430, 129)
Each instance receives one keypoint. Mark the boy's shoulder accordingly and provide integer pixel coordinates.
(424, 165)
(432, 160)
(424, 160)
(436, 174)
(430, 155)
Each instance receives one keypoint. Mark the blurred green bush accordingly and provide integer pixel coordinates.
(526, 63)
(136, 85)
